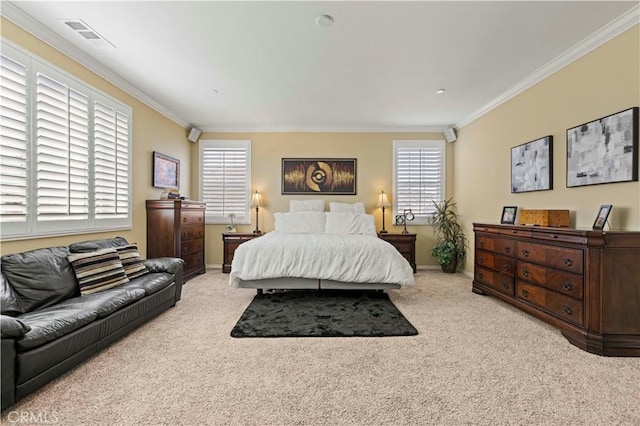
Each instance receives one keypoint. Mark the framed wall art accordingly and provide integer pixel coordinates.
(335, 176)
(166, 171)
(532, 166)
(603, 150)
(601, 217)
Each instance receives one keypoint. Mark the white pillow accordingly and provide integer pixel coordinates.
(300, 222)
(357, 208)
(306, 205)
(345, 223)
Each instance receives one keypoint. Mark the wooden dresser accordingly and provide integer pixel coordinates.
(586, 283)
(230, 242)
(175, 228)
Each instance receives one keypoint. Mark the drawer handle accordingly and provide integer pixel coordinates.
(507, 249)
(505, 285)
(514, 231)
(525, 273)
(480, 275)
(567, 286)
(525, 293)
(506, 267)
(554, 236)
(567, 262)
(184, 219)
(481, 261)
(525, 253)
(567, 310)
(481, 244)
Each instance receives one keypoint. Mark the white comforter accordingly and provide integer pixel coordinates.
(347, 258)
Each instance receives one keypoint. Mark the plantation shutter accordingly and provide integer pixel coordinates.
(14, 167)
(225, 170)
(62, 151)
(111, 156)
(419, 176)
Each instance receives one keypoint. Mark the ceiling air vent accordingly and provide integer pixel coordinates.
(87, 33)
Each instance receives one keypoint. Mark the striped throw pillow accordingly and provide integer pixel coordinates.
(98, 270)
(131, 261)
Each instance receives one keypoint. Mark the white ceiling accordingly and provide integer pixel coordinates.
(377, 68)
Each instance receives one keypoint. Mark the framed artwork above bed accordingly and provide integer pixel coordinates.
(335, 176)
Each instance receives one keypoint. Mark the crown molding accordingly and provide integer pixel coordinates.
(27, 23)
(294, 129)
(611, 30)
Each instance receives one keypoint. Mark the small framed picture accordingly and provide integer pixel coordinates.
(509, 215)
(602, 216)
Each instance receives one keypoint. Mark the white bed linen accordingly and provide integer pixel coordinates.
(346, 258)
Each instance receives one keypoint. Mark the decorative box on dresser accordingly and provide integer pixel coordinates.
(405, 244)
(175, 228)
(585, 283)
(230, 242)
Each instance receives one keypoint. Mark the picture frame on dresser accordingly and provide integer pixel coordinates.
(532, 166)
(603, 150)
(509, 215)
(601, 217)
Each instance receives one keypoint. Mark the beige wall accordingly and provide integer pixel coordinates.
(374, 172)
(151, 131)
(605, 81)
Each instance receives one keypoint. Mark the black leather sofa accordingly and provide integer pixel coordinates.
(39, 345)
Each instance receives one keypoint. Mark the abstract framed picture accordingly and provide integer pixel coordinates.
(603, 150)
(335, 176)
(532, 166)
(509, 215)
(166, 171)
(601, 217)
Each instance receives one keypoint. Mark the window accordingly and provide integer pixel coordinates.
(418, 177)
(225, 180)
(65, 149)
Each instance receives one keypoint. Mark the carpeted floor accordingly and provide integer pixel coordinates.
(322, 313)
(475, 361)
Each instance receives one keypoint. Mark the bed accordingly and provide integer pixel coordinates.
(320, 250)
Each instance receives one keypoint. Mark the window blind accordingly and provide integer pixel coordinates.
(419, 176)
(225, 176)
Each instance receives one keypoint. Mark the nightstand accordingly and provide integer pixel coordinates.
(405, 244)
(231, 241)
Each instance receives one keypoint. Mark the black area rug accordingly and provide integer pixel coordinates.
(322, 313)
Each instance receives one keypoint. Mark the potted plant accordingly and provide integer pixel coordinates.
(451, 243)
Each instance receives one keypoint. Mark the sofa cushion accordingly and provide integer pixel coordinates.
(105, 302)
(40, 277)
(98, 270)
(151, 282)
(50, 323)
(133, 265)
(9, 302)
(93, 245)
(11, 327)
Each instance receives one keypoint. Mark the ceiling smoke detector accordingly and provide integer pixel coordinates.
(87, 33)
(324, 20)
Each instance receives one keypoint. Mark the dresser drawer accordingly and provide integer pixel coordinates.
(559, 257)
(496, 245)
(559, 281)
(564, 307)
(496, 262)
(497, 281)
(193, 261)
(191, 217)
(191, 246)
(191, 232)
(516, 232)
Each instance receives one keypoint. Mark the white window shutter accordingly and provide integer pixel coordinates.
(419, 176)
(225, 170)
(14, 166)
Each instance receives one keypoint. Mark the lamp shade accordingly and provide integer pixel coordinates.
(256, 200)
(383, 201)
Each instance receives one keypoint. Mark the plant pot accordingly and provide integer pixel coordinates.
(450, 267)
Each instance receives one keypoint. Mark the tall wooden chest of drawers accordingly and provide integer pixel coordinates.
(175, 228)
(586, 283)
